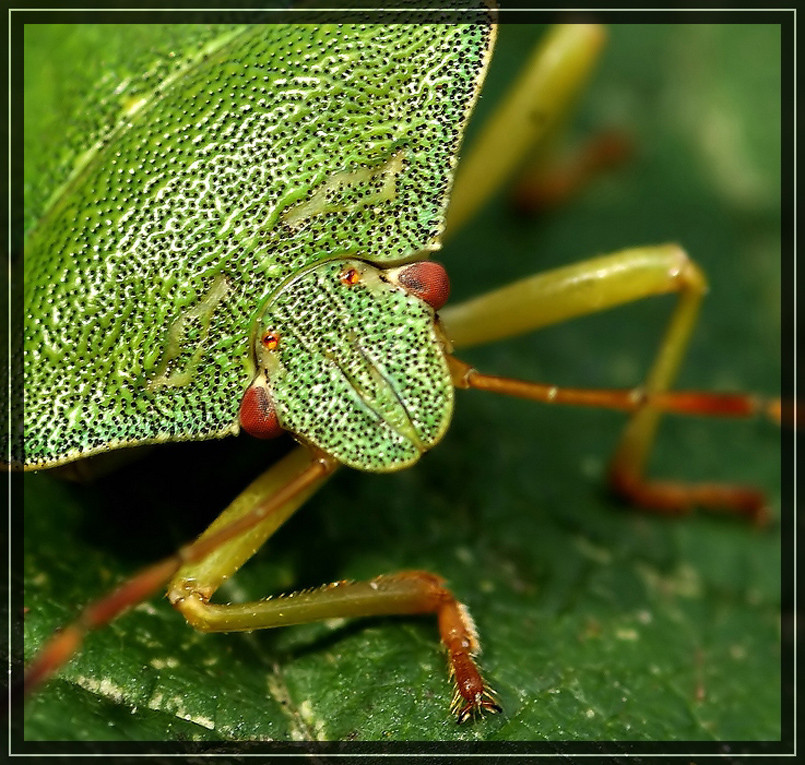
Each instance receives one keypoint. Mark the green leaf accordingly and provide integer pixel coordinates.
(598, 622)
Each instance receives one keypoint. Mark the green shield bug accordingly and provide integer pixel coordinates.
(175, 367)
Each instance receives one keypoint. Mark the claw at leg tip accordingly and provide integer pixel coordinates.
(483, 703)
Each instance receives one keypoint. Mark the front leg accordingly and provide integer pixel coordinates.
(596, 285)
(408, 592)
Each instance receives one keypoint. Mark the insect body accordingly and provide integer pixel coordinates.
(332, 234)
(179, 227)
(218, 257)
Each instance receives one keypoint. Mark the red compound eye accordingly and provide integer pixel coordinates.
(257, 414)
(350, 277)
(428, 281)
(270, 341)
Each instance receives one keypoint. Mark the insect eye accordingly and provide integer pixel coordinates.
(350, 276)
(257, 414)
(270, 341)
(428, 281)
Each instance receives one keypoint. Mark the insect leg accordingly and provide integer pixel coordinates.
(406, 592)
(548, 185)
(531, 114)
(595, 285)
(410, 592)
(204, 575)
(275, 494)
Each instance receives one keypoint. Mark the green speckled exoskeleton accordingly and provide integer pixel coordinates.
(244, 243)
